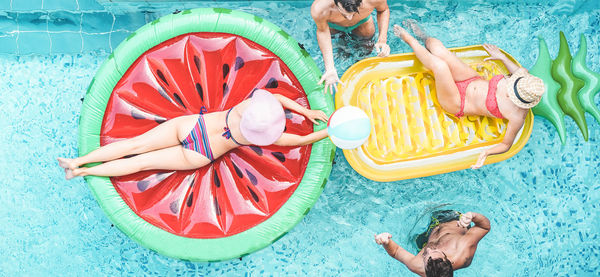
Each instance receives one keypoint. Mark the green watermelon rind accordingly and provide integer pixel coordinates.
(207, 20)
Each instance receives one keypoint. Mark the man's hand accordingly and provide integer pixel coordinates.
(383, 238)
(382, 49)
(331, 79)
(313, 115)
(480, 160)
(465, 220)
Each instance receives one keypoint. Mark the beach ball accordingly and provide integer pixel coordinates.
(349, 127)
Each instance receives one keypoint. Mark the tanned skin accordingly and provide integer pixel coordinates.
(450, 239)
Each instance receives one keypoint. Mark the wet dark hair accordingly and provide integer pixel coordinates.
(441, 267)
(349, 5)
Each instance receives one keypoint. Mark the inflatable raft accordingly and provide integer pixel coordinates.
(411, 135)
(180, 64)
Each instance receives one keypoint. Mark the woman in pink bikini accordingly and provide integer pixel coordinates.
(461, 91)
(193, 141)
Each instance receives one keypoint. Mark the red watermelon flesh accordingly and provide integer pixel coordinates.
(178, 77)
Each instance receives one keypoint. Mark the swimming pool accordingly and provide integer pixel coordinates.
(543, 203)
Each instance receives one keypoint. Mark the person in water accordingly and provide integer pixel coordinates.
(461, 91)
(351, 17)
(193, 141)
(448, 244)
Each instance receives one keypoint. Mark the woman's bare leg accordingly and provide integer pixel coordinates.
(161, 136)
(447, 92)
(460, 70)
(171, 158)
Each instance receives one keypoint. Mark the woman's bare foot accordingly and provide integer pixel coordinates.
(69, 174)
(401, 32)
(412, 25)
(66, 163)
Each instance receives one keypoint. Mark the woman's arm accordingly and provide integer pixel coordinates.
(312, 115)
(512, 129)
(296, 140)
(291, 104)
(496, 54)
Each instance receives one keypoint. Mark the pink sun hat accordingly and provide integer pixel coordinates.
(263, 120)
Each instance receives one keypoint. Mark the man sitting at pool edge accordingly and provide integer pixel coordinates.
(351, 17)
(448, 244)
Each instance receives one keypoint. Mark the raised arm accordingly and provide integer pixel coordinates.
(496, 54)
(397, 252)
(512, 129)
(296, 140)
(481, 228)
(383, 20)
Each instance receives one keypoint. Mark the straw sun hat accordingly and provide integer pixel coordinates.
(526, 90)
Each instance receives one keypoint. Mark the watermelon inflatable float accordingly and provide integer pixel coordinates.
(206, 60)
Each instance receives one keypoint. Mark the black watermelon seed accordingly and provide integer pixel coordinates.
(199, 90)
(197, 63)
(251, 177)
(256, 149)
(163, 92)
(288, 113)
(253, 194)
(162, 76)
(279, 156)
(225, 70)
(190, 199)
(142, 185)
(272, 83)
(217, 208)
(239, 63)
(216, 179)
(178, 99)
(161, 176)
(137, 115)
(174, 206)
(160, 120)
(238, 171)
(225, 89)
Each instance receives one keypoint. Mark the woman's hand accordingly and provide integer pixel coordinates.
(465, 220)
(314, 115)
(480, 160)
(331, 79)
(494, 51)
(383, 238)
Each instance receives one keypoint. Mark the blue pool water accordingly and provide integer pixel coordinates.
(543, 203)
